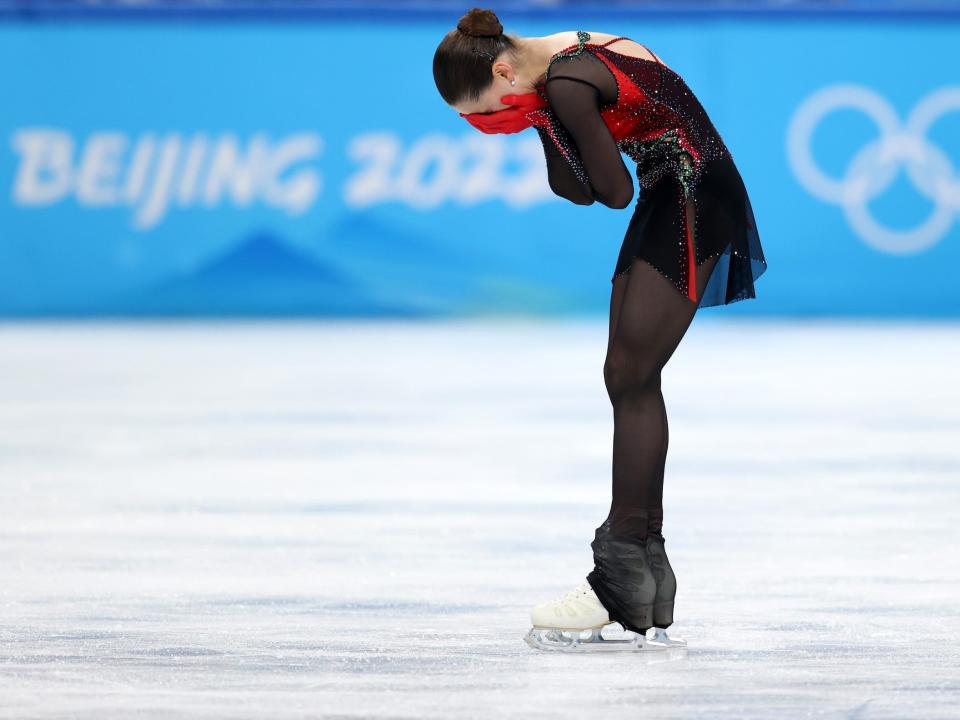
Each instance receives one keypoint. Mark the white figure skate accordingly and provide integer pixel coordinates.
(562, 624)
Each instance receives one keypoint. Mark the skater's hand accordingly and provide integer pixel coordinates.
(525, 111)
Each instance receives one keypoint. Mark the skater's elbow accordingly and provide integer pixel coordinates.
(578, 198)
(581, 200)
(578, 194)
(619, 199)
(617, 195)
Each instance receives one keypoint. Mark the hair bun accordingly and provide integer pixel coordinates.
(480, 23)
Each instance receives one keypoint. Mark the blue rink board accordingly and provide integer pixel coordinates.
(312, 169)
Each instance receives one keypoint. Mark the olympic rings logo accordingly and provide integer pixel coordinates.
(874, 168)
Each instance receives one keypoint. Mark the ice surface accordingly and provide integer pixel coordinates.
(352, 520)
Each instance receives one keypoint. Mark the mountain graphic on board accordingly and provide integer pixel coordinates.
(262, 275)
(443, 269)
(400, 259)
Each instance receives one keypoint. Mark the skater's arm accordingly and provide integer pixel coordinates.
(560, 175)
(576, 103)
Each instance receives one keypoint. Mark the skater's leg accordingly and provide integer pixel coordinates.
(655, 502)
(616, 302)
(652, 318)
(655, 506)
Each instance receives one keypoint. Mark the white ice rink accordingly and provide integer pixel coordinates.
(352, 520)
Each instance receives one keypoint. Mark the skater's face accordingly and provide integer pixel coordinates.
(489, 100)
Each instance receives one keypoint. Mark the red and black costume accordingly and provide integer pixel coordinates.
(601, 103)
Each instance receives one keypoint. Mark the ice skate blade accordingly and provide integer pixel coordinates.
(658, 636)
(574, 641)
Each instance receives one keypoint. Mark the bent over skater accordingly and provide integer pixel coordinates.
(691, 242)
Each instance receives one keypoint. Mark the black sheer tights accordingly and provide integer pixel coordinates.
(648, 318)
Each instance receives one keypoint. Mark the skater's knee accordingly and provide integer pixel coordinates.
(629, 374)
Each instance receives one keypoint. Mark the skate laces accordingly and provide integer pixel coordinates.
(582, 590)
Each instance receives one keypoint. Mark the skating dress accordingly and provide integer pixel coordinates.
(602, 103)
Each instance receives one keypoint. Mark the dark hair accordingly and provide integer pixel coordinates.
(461, 64)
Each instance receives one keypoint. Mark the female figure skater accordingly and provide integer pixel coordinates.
(691, 242)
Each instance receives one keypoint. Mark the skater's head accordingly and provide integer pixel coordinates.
(475, 63)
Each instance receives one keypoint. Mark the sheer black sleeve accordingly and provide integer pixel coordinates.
(576, 87)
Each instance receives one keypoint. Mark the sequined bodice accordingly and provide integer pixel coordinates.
(656, 119)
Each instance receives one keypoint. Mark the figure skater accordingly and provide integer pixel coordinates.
(691, 242)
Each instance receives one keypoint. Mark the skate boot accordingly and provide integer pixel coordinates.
(666, 591)
(622, 579)
(561, 624)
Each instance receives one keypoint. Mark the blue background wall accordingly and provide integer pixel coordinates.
(311, 168)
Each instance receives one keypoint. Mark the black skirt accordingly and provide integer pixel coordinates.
(724, 226)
